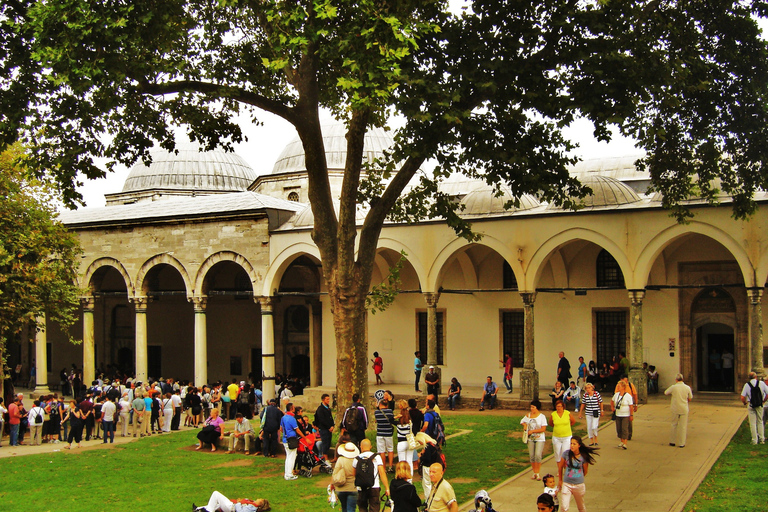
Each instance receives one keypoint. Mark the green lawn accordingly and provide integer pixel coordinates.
(165, 473)
(739, 472)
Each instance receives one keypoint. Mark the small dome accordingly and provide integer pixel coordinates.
(306, 219)
(458, 185)
(335, 142)
(484, 201)
(606, 192)
(715, 183)
(191, 169)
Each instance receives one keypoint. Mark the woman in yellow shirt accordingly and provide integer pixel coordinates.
(562, 421)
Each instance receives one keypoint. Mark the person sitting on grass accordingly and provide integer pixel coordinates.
(218, 501)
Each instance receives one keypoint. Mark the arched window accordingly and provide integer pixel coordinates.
(293, 196)
(508, 277)
(608, 271)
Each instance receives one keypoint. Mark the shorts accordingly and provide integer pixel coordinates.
(384, 444)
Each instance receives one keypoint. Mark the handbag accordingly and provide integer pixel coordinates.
(293, 443)
(208, 429)
(525, 436)
(412, 444)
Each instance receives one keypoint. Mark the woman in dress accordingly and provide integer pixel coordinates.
(404, 426)
(196, 407)
(212, 430)
(535, 424)
(562, 421)
(592, 405)
(621, 404)
(378, 366)
(402, 491)
(572, 469)
(76, 423)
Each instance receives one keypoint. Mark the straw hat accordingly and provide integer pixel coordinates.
(349, 451)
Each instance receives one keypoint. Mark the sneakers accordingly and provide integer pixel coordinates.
(292, 477)
(482, 408)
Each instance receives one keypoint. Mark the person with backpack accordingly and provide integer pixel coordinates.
(36, 418)
(681, 395)
(369, 478)
(433, 424)
(355, 420)
(430, 455)
(754, 395)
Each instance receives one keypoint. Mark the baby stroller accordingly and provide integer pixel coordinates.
(308, 457)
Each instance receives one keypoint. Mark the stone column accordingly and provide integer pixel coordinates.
(756, 330)
(89, 360)
(201, 341)
(140, 305)
(315, 343)
(267, 349)
(637, 375)
(529, 375)
(432, 300)
(41, 361)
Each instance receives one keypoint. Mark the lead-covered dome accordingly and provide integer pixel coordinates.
(334, 139)
(190, 169)
(485, 201)
(606, 192)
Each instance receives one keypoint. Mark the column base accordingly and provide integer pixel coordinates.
(529, 384)
(40, 390)
(639, 378)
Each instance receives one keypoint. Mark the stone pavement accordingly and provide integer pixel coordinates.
(650, 476)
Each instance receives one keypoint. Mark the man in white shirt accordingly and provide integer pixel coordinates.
(243, 430)
(368, 498)
(573, 396)
(754, 395)
(108, 410)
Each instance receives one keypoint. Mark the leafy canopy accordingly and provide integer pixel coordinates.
(38, 256)
(486, 92)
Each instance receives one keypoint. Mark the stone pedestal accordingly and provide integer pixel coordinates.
(529, 384)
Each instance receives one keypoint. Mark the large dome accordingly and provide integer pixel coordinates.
(191, 170)
(484, 201)
(335, 142)
(606, 192)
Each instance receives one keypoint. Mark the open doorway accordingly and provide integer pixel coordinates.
(716, 357)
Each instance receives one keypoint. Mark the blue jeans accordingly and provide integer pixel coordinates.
(14, 435)
(508, 382)
(418, 378)
(348, 501)
(452, 400)
(491, 399)
(109, 431)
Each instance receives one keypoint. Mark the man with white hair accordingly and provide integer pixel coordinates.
(754, 395)
(681, 394)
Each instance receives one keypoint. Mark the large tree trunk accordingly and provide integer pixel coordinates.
(348, 309)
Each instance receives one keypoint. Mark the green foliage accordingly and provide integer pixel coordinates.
(38, 256)
(383, 294)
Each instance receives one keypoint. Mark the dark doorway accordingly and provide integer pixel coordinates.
(154, 362)
(716, 357)
(255, 365)
(300, 366)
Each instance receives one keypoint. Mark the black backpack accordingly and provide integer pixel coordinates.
(365, 475)
(352, 419)
(755, 396)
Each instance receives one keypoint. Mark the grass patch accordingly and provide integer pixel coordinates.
(165, 472)
(740, 471)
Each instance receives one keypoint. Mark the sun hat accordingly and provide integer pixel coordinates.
(349, 451)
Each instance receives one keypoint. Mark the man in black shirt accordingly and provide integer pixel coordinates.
(324, 422)
(272, 417)
(563, 370)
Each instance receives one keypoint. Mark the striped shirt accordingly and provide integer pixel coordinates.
(403, 430)
(592, 402)
(384, 419)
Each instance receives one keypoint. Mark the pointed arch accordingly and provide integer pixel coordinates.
(656, 245)
(540, 256)
(108, 262)
(165, 259)
(234, 257)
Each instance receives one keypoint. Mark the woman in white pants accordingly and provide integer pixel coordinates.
(562, 421)
(125, 414)
(592, 405)
(167, 412)
(404, 426)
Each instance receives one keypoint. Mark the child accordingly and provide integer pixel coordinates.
(551, 488)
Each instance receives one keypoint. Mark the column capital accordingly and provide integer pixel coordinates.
(528, 298)
(200, 303)
(755, 295)
(140, 303)
(266, 304)
(432, 299)
(636, 296)
(88, 303)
